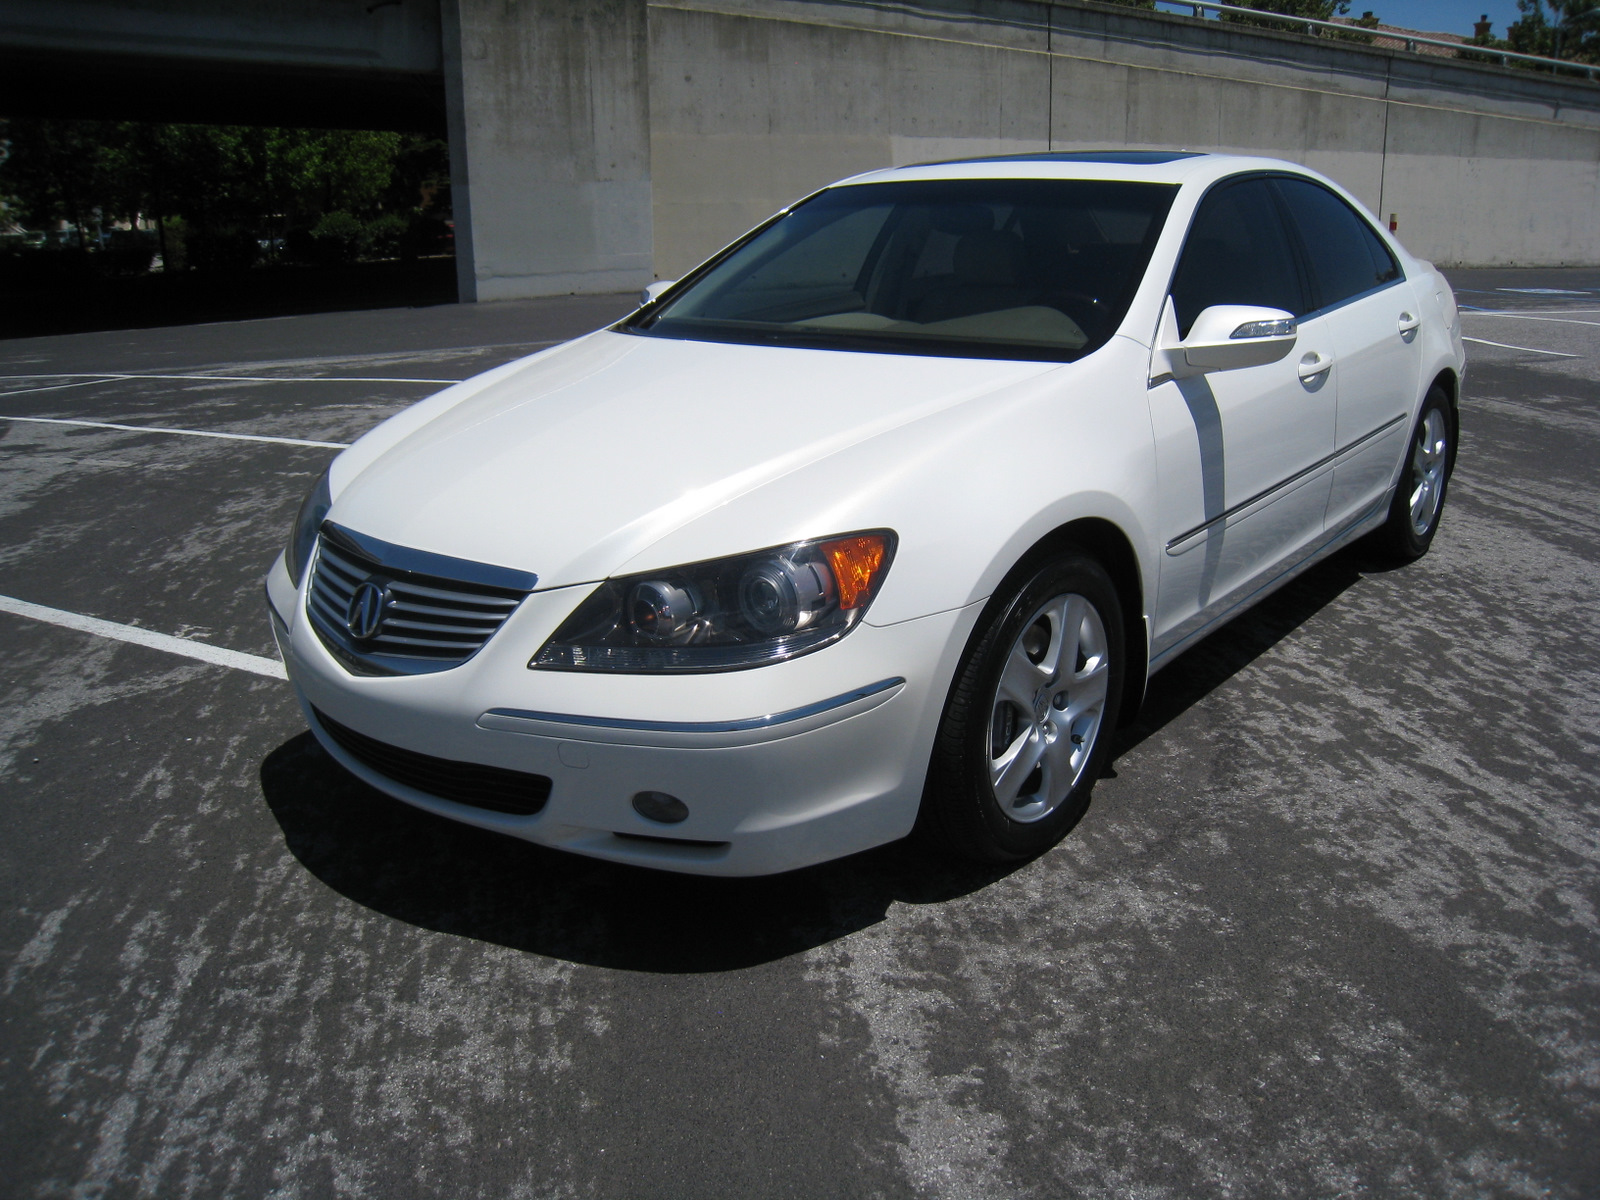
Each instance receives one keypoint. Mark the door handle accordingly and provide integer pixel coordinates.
(1408, 324)
(1315, 363)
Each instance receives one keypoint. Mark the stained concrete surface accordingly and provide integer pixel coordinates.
(1328, 928)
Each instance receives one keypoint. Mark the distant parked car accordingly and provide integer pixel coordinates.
(881, 517)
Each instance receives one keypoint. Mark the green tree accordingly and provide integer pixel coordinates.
(1316, 10)
(1571, 31)
(227, 187)
(1319, 10)
(55, 171)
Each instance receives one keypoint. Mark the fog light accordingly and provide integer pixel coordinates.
(658, 806)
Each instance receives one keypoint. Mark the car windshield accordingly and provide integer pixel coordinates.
(989, 268)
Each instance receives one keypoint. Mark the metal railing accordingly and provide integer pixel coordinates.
(1310, 25)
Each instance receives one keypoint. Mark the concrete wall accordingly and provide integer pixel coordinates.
(756, 102)
(751, 108)
(549, 145)
(1489, 190)
(595, 143)
(1480, 166)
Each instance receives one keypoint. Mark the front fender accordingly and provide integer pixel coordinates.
(969, 489)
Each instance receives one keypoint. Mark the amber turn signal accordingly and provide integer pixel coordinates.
(857, 564)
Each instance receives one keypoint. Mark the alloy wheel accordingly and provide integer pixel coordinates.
(1429, 458)
(1048, 707)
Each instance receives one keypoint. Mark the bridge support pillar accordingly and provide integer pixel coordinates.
(549, 119)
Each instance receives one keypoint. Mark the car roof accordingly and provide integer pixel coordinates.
(1121, 157)
(1121, 164)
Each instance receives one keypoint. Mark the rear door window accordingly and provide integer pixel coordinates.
(1347, 258)
(1237, 252)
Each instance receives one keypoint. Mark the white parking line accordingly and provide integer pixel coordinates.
(1517, 316)
(54, 387)
(313, 362)
(235, 437)
(215, 655)
(104, 377)
(397, 355)
(1528, 349)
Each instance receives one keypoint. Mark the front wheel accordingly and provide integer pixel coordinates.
(1419, 496)
(1027, 726)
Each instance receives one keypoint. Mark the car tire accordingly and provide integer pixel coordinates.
(1029, 720)
(1419, 495)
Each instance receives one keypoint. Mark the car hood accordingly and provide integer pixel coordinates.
(572, 462)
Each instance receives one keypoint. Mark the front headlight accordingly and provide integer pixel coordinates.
(303, 537)
(725, 614)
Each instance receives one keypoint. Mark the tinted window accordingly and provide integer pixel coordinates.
(1237, 253)
(1019, 268)
(1347, 258)
(828, 258)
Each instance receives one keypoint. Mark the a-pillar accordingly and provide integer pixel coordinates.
(549, 109)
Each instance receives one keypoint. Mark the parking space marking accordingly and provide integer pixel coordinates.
(205, 652)
(1581, 292)
(1528, 349)
(235, 437)
(54, 387)
(432, 352)
(1558, 319)
(104, 377)
(1527, 291)
(310, 362)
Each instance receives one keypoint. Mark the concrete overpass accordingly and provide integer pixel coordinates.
(596, 144)
(342, 64)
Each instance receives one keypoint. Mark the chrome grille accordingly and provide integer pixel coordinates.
(426, 619)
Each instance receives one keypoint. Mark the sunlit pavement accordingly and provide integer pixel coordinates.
(1328, 928)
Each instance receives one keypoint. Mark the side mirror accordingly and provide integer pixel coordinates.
(652, 290)
(1223, 338)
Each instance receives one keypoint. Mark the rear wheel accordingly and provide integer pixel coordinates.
(1028, 723)
(1419, 496)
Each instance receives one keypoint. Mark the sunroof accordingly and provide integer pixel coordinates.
(1125, 158)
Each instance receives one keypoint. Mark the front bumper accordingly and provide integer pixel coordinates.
(780, 767)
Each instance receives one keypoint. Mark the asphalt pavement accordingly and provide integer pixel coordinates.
(1328, 928)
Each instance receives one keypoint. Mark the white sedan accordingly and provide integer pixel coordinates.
(881, 519)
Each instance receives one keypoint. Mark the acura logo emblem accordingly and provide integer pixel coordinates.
(365, 613)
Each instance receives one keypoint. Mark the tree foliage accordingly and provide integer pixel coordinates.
(1571, 30)
(229, 190)
(1316, 10)
(1319, 10)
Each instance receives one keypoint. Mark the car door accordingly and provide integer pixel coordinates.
(1243, 455)
(1372, 317)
